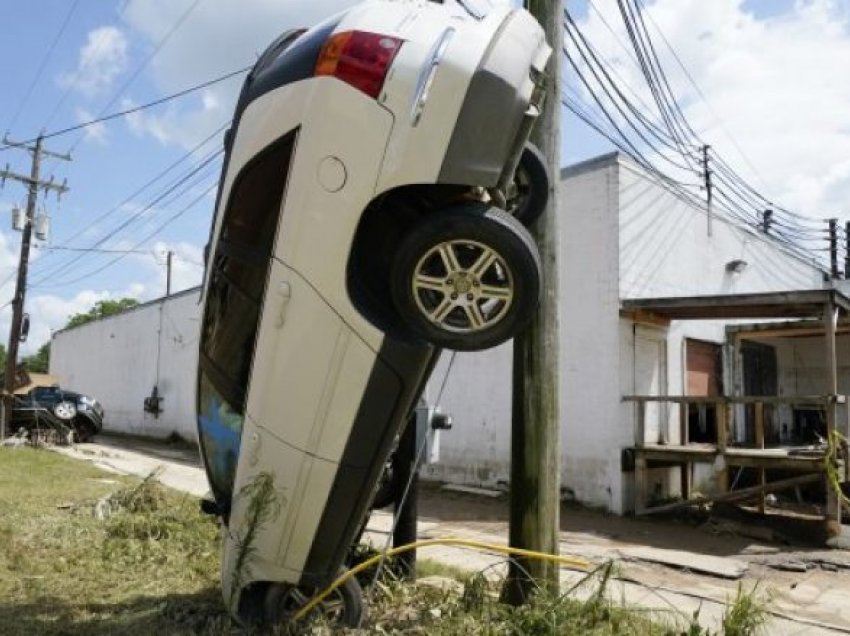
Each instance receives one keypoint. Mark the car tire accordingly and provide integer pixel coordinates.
(530, 189)
(65, 410)
(466, 278)
(85, 431)
(342, 608)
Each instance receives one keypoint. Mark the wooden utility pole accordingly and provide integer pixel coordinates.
(33, 183)
(535, 429)
(709, 195)
(168, 260)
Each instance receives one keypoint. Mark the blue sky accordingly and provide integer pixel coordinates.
(133, 51)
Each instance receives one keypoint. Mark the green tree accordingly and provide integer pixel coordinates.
(39, 362)
(101, 309)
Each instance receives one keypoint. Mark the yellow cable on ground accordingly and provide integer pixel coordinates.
(425, 543)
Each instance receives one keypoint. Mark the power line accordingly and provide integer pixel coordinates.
(149, 183)
(701, 94)
(43, 64)
(157, 48)
(93, 250)
(136, 109)
(181, 181)
(118, 258)
(576, 37)
(741, 201)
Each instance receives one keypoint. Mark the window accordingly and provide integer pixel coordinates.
(234, 302)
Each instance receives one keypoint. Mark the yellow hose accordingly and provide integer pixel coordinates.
(425, 543)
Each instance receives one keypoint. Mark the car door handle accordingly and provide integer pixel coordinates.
(284, 290)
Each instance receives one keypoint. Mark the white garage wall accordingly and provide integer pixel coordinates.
(121, 358)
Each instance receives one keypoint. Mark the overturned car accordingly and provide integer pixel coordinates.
(370, 213)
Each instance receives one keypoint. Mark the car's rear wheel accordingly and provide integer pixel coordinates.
(342, 608)
(529, 192)
(466, 278)
(85, 430)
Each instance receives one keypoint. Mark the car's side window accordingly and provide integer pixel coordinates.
(240, 266)
(239, 269)
(44, 394)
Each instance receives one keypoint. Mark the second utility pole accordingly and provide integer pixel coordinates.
(34, 183)
(706, 174)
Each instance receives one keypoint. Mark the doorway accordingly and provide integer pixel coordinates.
(703, 378)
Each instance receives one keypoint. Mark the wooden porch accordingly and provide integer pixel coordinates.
(809, 461)
(741, 436)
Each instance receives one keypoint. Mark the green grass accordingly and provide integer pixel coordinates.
(150, 567)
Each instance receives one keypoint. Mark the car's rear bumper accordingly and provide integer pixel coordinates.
(500, 106)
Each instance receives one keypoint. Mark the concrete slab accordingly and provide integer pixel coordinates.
(716, 566)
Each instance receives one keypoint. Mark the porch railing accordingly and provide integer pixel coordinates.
(834, 407)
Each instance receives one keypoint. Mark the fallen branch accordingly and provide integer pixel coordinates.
(736, 495)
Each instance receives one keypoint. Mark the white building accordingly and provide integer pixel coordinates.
(120, 359)
(623, 236)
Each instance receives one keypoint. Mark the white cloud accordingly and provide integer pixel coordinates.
(96, 133)
(101, 59)
(50, 312)
(774, 84)
(216, 38)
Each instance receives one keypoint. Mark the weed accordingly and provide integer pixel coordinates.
(263, 506)
(746, 614)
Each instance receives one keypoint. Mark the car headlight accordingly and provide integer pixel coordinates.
(85, 403)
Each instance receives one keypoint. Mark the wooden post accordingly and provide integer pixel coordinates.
(759, 417)
(721, 471)
(641, 483)
(833, 502)
(640, 424)
(685, 475)
(535, 428)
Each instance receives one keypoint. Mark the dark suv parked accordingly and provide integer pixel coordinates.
(82, 413)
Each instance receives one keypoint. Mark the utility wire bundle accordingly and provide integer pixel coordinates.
(660, 139)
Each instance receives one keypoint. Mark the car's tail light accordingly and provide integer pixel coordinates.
(358, 58)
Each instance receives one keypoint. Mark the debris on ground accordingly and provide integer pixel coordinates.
(145, 497)
(17, 440)
(802, 561)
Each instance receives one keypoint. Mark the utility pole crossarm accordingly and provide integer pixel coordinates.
(9, 143)
(60, 188)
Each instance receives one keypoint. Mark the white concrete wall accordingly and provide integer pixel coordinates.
(665, 249)
(119, 359)
(477, 395)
